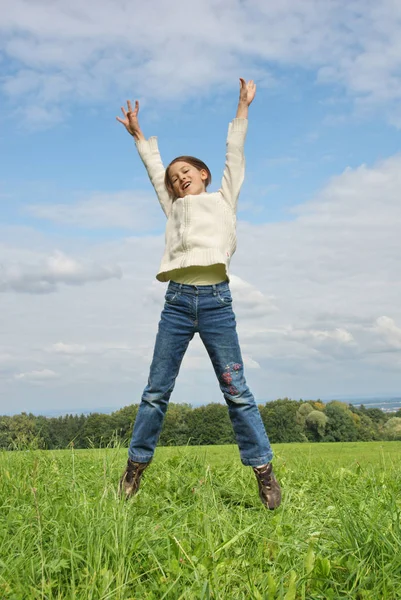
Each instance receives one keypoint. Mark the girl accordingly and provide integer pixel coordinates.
(200, 240)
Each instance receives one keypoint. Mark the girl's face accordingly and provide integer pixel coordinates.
(186, 179)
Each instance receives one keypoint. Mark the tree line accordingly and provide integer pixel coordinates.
(285, 420)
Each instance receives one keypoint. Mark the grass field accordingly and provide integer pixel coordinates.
(197, 528)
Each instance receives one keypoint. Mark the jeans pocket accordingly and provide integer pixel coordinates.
(225, 298)
(170, 297)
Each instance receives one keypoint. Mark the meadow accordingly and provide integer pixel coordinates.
(197, 528)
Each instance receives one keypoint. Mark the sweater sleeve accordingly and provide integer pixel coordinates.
(234, 170)
(150, 155)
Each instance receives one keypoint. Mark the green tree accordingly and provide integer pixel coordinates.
(176, 426)
(315, 423)
(367, 429)
(209, 425)
(65, 430)
(280, 420)
(123, 422)
(302, 412)
(5, 432)
(392, 429)
(98, 430)
(23, 433)
(340, 426)
(42, 428)
(375, 414)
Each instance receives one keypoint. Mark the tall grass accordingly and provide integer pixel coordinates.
(197, 528)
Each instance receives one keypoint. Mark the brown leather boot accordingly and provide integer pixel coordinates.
(131, 478)
(269, 489)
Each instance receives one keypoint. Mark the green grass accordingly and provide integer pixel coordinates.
(197, 528)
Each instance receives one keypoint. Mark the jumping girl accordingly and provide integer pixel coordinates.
(200, 241)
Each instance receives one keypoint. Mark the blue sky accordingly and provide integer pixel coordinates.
(316, 276)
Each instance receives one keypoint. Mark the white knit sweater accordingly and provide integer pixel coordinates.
(201, 228)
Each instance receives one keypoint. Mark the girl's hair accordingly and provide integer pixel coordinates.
(195, 162)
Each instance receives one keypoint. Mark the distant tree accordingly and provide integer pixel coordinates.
(340, 426)
(56, 437)
(5, 433)
(315, 423)
(392, 428)
(367, 429)
(303, 411)
(23, 433)
(123, 422)
(73, 429)
(63, 431)
(280, 420)
(176, 426)
(42, 429)
(285, 421)
(209, 425)
(375, 414)
(98, 430)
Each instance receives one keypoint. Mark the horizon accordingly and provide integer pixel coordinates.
(316, 276)
(391, 404)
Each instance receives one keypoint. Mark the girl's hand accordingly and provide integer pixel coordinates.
(247, 91)
(130, 120)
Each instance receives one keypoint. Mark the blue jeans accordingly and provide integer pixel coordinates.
(207, 310)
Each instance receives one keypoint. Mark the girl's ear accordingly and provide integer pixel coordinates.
(203, 174)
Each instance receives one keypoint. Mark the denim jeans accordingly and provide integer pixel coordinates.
(207, 310)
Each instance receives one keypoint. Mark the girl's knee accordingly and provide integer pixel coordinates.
(232, 379)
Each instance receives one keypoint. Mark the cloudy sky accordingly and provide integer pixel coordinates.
(316, 278)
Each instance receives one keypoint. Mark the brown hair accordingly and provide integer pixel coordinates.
(195, 162)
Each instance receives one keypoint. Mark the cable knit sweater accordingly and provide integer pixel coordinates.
(201, 228)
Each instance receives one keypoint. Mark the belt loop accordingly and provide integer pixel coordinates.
(214, 290)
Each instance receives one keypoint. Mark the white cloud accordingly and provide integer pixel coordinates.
(389, 330)
(61, 348)
(341, 252)
(137, 212)
(249, 301)
(46, 276)
(105, 347)
(5, 357)
(37, 376)
(320, 338)
(250, 363)
(86, 51)
(332, 270)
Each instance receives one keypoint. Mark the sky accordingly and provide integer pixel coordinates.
(316, 278)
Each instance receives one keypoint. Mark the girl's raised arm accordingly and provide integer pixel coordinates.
(234, 171)
(149, 153)
(247, 93)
